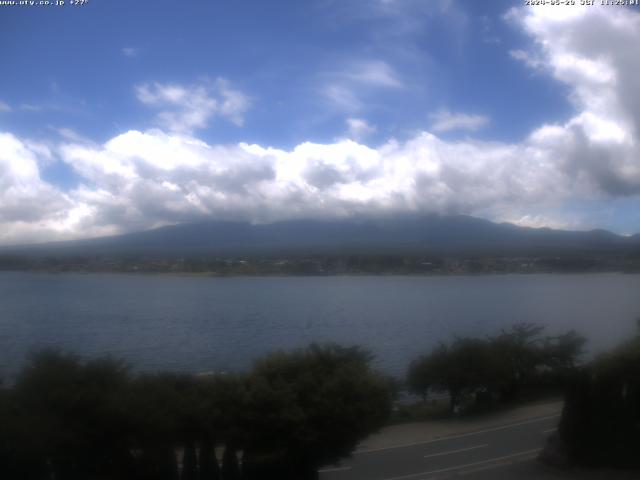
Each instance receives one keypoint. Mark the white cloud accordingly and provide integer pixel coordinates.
(191, 107)
(140, 180)
(130, 52)
(27, 203)
(4, 107)
(445, 121)
(577, 46)
(540, 221)
(358, 128)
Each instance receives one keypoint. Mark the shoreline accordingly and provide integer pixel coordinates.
(213, 274)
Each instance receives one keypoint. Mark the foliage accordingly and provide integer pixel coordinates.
(600, 424)
(74, 415)
(69, 419)
(495, 367)
(311, 407)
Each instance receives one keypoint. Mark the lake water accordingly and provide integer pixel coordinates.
(204, 323)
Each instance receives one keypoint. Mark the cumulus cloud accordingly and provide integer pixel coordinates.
(140, 180)
(185, 108)
(445, 121)
(27, 203)
(577, 46)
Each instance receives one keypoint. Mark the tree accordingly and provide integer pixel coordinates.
(222, 404)
(495, 367)
(167, 416)
(311, 407)
(468, 366)
(519, 350)
(600, 423)
(423, 374)
(71, 419)
(563, 351)
(74, 415)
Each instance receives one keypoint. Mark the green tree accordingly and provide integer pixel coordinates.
(467, 367)
(74, 415)
(563, 351)
(311, 407)
(600, 424)
(520, 352)
(223, 398)
(167, 414)
(495, 367)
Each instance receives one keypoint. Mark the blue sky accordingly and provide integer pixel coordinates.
(119, 115)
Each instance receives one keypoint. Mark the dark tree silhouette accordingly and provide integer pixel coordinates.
(70, 419)
(311, 407)
(495, 367)
(600, 424)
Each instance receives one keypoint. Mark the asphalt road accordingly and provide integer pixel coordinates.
(494, 452)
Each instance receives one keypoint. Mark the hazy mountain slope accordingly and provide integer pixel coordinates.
(399, 235)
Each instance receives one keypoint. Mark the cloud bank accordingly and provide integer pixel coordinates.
(141, 179)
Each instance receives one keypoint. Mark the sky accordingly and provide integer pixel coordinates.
(118, 116)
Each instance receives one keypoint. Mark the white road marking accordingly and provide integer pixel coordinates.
(550, 430)
(336, 469)
(460, 467)
(462, 435)
(450, 452)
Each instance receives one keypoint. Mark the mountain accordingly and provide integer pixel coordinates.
(397, 235)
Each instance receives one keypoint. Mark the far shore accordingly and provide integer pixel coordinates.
(214, 274)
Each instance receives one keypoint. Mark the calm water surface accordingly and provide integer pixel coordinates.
(203, 324)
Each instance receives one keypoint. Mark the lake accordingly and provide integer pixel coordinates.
(206, 323)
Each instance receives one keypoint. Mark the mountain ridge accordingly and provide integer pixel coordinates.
(403, 234)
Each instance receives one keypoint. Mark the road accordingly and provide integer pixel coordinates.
(487, 453)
